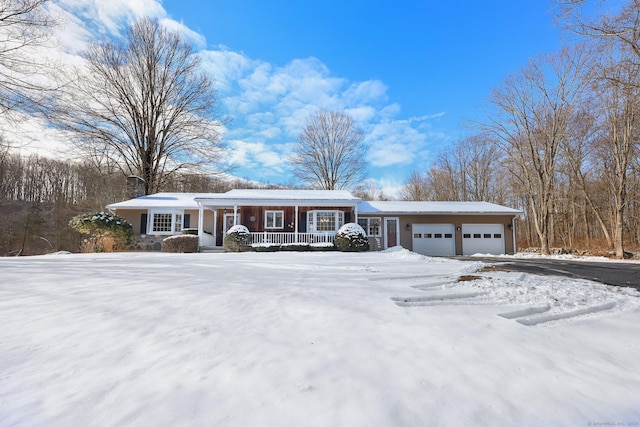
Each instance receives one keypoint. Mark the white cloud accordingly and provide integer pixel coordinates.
(251, 154)
(110, 17)
(269, 104)
(195, 38)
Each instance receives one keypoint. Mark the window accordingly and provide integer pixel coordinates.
(327, 221)
(161, 223)
(166, 222)
(274, 219)
(371, 226)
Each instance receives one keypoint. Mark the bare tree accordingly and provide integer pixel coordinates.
(24, 25)
(144, 104)
(415, 187)
(620, 21)
(330, 153)
(619, 90)
(533, 110)
(369, 190)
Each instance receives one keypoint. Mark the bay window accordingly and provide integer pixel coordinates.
(325, 221)
(166, 222)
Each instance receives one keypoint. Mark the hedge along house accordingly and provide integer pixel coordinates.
(440, 228)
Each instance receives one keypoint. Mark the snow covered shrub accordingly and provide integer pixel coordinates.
(108, 232)
(237, 239)
(183, 243)
(351, 238)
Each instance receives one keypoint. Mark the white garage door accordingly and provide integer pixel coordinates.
(434, 239)
(482, 239)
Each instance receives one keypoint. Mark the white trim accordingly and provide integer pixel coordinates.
(173, 212)
(200, 224)
(275, 222)
(295, 224)
(215, 227)
(368, 226)
(338, 217)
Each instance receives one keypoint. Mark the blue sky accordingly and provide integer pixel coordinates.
(411, 73)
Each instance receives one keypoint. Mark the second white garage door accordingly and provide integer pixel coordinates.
(434, 239)
(482, 239)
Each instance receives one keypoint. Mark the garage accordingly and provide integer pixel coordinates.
(483, 239)
(434, 239)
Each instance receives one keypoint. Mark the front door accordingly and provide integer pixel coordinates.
(392, 232)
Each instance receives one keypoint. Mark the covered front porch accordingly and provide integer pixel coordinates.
(277, 216)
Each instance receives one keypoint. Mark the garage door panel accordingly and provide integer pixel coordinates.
(483, 239)
(434, 239)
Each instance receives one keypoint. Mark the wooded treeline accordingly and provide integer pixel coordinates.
(560, 142)
(39, 195)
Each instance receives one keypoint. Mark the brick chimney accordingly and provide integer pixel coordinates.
(135, 187)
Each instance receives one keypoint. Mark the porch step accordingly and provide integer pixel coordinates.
(211, 249)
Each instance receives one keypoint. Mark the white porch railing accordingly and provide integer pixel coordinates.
(287, 238)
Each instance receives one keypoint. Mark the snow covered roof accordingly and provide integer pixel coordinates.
(280, 197)
(240, 198)
(434, 208)
(308, 198)
(160, 200)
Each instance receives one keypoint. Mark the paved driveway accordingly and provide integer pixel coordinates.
(609, 273)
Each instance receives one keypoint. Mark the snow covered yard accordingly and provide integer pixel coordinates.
(309, 339)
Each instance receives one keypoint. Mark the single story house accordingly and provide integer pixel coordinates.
(314, 216)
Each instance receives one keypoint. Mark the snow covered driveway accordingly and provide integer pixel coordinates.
(309, 339)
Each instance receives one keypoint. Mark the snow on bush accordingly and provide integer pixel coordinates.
(351, 238)
(183, 243)
(107, 232)
(237, 239)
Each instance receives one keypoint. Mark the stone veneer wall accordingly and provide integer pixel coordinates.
(146, 242)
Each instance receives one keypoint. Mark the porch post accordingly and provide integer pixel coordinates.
(295, 225)
(215, 227)
(356, 213)
(513, 234)
(200, 223)
(235, 214)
